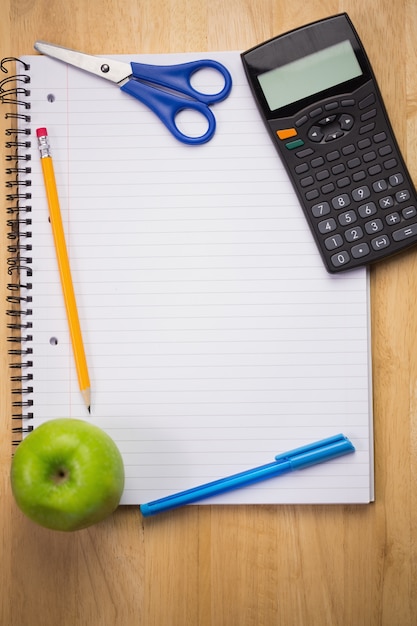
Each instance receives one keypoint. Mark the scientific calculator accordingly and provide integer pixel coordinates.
(319, 99)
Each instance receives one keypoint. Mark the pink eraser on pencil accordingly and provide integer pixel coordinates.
(41, 132)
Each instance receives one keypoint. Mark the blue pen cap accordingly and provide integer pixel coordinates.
(318, 452)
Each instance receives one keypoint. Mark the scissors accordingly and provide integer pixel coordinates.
(165, 89)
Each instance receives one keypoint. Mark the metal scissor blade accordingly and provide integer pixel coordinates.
(115, 71)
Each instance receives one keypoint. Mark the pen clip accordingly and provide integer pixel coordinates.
(313, 453)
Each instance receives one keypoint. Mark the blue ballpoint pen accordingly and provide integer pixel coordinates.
(299, 458)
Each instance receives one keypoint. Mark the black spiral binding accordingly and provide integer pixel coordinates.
(13, 92)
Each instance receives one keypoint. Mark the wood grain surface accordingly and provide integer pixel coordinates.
(234, 566)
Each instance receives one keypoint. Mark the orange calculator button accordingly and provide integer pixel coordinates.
(286, 133)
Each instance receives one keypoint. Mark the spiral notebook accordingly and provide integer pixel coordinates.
(214, 336)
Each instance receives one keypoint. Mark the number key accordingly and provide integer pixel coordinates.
(361, 193)
(368, 209)
(318, 210)
(347, 218)
(374, 226)
(334, 242)
(354, 234)
(327, 226)
(340, 202)
(341, 258)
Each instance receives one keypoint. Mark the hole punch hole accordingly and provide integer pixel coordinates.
(53, 341)
(50, 97)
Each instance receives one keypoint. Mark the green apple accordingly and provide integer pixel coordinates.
(67, 474)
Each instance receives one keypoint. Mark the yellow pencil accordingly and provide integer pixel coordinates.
(64, 266)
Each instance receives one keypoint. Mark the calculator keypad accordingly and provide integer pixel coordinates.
(350, 176)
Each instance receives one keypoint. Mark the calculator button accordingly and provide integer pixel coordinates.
(368, 115)
(327, 120)
(374, 170)
(347, 218)
(353, 234)
(349, 149)
(380, 185)
(331, 105)
(315, 134)
(317, 162)
(360, 250)
(301, 120)
(380, 137)
(369, 156)
(286, 133)
(333, 242)
(358, 176)
(380, 242)
(352, 163)
(402, 196)
(323, 174)
(364, 143)
(333, 156)
(338, 169)
(302, 169)
(328, 188)
(396, 179)
(340, 202)
(343, 182)
(366, 210)
(327, 226)
(318, 210)
(341, 258)
(307, 181)
(361, 193)
(385, 150)
(332, 136)
(390, 164)
(293, 145)
(367, 128)
(374, 227)
(313, 194)
(393, 218)
(409, 212)
(302, 154)
(404, 233)
(346, 121)
(315, 112)
(387, 202)
(367, 101)
(348, 102)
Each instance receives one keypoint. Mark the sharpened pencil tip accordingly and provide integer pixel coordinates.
(86, 394)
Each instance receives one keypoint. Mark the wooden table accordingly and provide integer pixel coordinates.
(235, 566)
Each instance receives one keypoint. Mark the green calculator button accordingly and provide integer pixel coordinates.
(292, 145)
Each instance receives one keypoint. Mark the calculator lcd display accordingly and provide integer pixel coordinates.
(309, 75)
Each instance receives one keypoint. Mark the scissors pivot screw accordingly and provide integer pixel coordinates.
(105, 68)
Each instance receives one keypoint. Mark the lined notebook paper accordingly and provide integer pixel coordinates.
(214, 336)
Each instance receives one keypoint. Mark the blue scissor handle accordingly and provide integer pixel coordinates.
(165, 104)
(178, 78)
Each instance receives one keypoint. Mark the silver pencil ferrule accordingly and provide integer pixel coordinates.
(44, 147)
